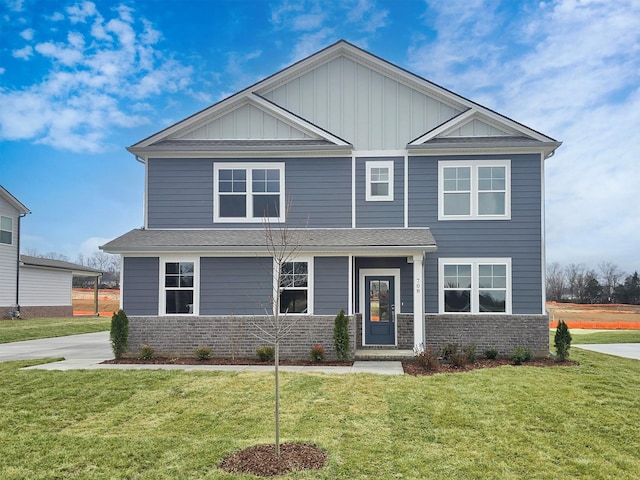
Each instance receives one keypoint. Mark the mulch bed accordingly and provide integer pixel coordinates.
(413, 368)
(262, 460)
(220, 361)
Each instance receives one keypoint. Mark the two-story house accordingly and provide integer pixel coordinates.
(417, 211)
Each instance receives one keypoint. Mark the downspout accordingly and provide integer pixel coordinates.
(17, 311)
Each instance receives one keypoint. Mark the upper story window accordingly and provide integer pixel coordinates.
(475, 285)
(379, 181)
(248, 192)
(6, 230)
(179, 287)
(294, 287)
(474, 190)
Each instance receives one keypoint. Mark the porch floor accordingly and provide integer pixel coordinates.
(383, 354)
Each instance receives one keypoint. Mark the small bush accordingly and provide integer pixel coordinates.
(203, 353)
(448, 350)
(458, 359)
(266, 354)
(119, 333)
(562, 341)
(470, 352)
(491, 353)
(146, 352)
(520, 355)
(427, 359)
(341, 336)
(317, 353)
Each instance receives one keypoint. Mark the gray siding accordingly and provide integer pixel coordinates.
(235, 286)
(180, 192)
(518, 238)
(380, 214)
(331, 285)
(140, 285)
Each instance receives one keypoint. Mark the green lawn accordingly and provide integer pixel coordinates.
(34, 328)
(611, 336)
(504, 423)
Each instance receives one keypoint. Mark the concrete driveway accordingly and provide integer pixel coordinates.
(626, 350)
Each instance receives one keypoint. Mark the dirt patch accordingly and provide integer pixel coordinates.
(262, 460)
(83, 301)
(609, 316)
(413, 368)
(220, 361)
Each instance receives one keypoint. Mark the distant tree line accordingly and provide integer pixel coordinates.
(579, 284)
(106, 262)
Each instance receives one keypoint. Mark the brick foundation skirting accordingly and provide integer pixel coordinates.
(39, 312)
(232, 336)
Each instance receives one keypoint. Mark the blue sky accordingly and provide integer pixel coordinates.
(80, 81)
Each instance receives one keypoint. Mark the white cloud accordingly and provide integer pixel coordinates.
(55, 17)
(97, 75)
(27, 34)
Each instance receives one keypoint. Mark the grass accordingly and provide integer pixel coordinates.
(612, 336)
(35, 328)
(504, 423)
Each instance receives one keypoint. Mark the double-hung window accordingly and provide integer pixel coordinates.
(475, 285)
(6, 230)
(294, 287)
(379, 181)
(248, 192)
(474, 190)
(179, 283)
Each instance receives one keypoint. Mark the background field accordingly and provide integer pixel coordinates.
(83, 301)
(613, 316)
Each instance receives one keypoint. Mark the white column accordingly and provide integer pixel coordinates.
(418, 299)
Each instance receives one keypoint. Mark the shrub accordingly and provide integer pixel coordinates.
(203, 353)
(266, 354)
(427, 359)
(562, 341)
(317, 353)
(146, 352)
(491, 353)
(458, 359)
(448, 350)
(341, 336)
(470, 352)
(520, 355)
(119, 333)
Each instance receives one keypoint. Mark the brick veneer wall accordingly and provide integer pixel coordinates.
(502, 332)
(39, 312)
(231, 336)
(404, 330)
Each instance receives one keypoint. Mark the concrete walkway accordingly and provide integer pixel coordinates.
(87, 351)
(626, 350)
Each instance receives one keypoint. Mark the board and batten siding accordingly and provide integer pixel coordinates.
(331, 285)
(180, 192)
(235, 285)
(360, 105)
(380, 214)
(9, 259)
(140, 287)
(45, 287)
(519, 238)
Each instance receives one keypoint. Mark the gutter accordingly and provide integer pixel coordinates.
(17, 310)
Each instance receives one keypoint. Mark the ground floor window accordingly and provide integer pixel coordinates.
(179, 287)
(294, 287)
(475, 285)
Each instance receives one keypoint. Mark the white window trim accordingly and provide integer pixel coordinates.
(474, 165)
(10, 231)
(249, 167)
(162, 304)
(371, 164)
(475, 263)
(310, 283)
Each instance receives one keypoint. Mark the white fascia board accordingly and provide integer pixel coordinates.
(471, 150)
(450, 124)
(403, 251)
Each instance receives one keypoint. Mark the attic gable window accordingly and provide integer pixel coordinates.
(474, 190)
(6, 230)
(248, 192)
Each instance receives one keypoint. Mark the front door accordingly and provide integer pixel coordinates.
(379, 322)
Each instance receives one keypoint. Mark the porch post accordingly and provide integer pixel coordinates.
(418, 299)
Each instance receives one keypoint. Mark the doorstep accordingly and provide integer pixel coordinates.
(378, 354)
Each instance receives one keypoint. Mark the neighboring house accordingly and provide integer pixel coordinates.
(418, 212)
(31, 286)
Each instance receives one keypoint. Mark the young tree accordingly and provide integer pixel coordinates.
(562, 341)
(119, 333)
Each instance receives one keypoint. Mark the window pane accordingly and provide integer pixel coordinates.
(300, 267)
(491, 203)
(293, 301)
(265, 180)
(6, 223)
(179, 301)
(233, 206)
(171, 281)
(493, 300)
(457, 301)
(186, 281)
(286, 267)
(457, 179)
(172, 268)
(5, 237)
(457, 204)
(266, 206)
(380, 189)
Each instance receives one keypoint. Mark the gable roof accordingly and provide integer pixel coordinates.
(348, 98)
(13, 201)
(75, 268)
